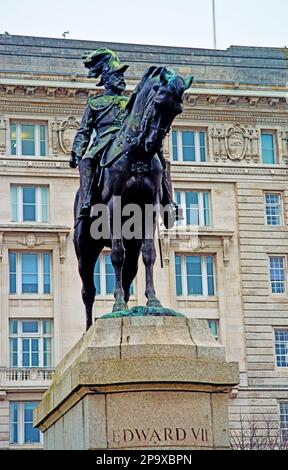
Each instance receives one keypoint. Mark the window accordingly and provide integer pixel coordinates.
(29, 203)
(268, 148)
(189, 146)
(277, 274)
(30, 343)
(194, 275)
(284, 421)
(281, 348)
(273, 209)
(197, 207)
(28, 139)
(104, 277)
(214, 328)
(21, 423)
(30, 273)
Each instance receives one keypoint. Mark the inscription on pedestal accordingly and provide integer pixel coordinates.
(165, 436)
(159, 419)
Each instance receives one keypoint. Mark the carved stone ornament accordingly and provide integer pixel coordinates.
(66, 134)
(31, 240)
(236, 142)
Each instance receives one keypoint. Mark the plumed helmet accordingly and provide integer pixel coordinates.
(102, 62)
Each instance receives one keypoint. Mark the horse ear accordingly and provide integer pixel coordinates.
(188, 82)
(166, 76)
(163, 79)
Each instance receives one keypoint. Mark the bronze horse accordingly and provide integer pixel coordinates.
(134, 174)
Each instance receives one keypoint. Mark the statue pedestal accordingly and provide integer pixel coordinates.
(140, 383)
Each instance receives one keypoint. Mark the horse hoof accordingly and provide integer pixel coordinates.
(155, 303)
(119, 306)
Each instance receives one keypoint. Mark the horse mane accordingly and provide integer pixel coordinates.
(151, 72)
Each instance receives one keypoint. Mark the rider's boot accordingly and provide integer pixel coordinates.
(87, 172)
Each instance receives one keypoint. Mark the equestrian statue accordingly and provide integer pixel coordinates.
(124, 165)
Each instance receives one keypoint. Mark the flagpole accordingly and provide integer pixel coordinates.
(214, 24)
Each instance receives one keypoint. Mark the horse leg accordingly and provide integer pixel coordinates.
(130, 266)
(86, 264)
(117, 259)
(149, 257)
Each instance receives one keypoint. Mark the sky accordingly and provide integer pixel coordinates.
(185, 23)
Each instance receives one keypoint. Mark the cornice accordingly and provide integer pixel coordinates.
(241, 116)
(36, 164)
(224, 170)
(176, 168)
(52, 108)
(200, 88)
(17, 227)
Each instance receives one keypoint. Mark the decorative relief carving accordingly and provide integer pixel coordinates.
(1, 245)
(66, 133)
(3, 131)
(233, 100)
(55, 141)
(30, 240)
(253, 101)
(284, 139)
(9, 89)
(190, 99)
(212, 100)
(30, 90)
(195, 243)
(226, 249)
(62, 246)
(235, 143)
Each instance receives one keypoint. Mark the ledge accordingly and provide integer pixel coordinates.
(195, 230)
(22, 227)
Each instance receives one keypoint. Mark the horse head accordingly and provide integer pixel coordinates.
(154, 104)
(164, 103)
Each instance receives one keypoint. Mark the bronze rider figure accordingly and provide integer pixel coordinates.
(102, 118)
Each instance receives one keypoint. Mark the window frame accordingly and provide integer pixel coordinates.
(275, 147)
(20, 204)
(37, 138)
(280, 329)
(183, 223)
(179, 137)
(39, 335)
(185, 293)
(21, 424)
(40, 273)
(283, 429)
(281, 211)
(285, 274)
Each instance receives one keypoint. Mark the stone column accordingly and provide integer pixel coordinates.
(140, 383)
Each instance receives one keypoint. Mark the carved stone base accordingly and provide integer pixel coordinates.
(140, 383)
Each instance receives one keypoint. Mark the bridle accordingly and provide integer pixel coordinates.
(136, 140)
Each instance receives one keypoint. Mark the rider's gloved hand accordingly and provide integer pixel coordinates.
(73, 162)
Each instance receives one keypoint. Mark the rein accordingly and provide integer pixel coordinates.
(135, 141)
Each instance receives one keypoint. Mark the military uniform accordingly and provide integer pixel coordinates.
(103, 115)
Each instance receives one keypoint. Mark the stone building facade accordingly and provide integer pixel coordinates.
(228, 153)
